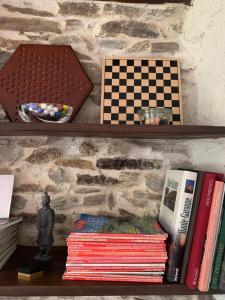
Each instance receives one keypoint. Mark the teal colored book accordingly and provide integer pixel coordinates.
(217, 266)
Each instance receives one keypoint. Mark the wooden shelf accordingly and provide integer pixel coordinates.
(52, 284)
(112, 131)
(188, 2)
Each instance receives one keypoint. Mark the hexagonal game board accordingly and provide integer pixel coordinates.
(43, 73)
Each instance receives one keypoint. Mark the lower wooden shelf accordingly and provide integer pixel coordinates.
(53, 285)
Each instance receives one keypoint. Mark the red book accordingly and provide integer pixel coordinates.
(198, 242)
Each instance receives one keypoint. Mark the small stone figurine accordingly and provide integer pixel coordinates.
(45, 225)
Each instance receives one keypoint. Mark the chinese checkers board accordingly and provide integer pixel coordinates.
(131, 84)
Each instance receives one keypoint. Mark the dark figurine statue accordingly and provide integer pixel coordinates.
(45, 225)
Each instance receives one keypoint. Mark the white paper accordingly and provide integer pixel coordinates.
(6, 189)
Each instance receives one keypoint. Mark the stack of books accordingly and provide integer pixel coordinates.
(116, 249)
(8, 238)
(192, 212)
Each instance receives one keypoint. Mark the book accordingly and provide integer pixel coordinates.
(198, 241)
(222, 276)
(7, 256)
(187, 250)
(6, 185)
(117, 228)
(174, 216)
(211, 237)
(217, 265)
(10, 222)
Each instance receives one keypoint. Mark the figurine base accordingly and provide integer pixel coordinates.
(42, 257)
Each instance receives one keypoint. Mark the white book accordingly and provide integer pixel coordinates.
(6, 188)
(9, 222)
(174, 216)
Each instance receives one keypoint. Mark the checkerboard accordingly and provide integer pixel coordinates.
(131, 84)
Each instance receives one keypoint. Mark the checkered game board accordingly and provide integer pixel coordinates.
(131, 84)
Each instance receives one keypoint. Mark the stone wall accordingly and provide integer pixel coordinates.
(110, 176)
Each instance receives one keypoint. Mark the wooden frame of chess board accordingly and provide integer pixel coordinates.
(122, 95)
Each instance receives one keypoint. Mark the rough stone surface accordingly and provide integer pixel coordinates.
(97, 199)
(18, 202)
(74, 24)
(57, 175)
(129, 28)
(112, 43)
(82, 9)
(165, 47)
(86, 190)
(43, 155)
(145, 45)
(129, 11)
(87, 148)
(27, 10)
(28, 187)
(31, 24)
(4, 56)
(120, 164)
(111, 201)
(75, 163)
(154, 182)
(92, 180)
(31, 142)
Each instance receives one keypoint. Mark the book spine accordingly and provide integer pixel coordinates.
(222, 276)
(117, 235)
(178, 241)
(211, 237)
(156, 279)
(114, 269)
(117, 253)
(110, 240)
(86, 245)
(191, 226)
(200, 231)
(219, 253)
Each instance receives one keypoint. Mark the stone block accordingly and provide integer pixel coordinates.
(73, 24)
(29, 24)
(86, 190)
(154, 182)
(129, 28)
(57, 175)
(4, 56)
(95, 180)
(112, 43)
(111, 201)
(165, 47)
(87, 148)
(27, 188)
(93, 200)
(27, 11)
(31, 142)
(140, 46)
(75, 163)
(87, 9)
(121, 163)
(126, 10)
(18, 202)
(44, 155)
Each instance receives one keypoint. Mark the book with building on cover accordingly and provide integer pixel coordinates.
(198, 242)
(191, 227)
(174, 216)
(211, 237)
(217, 265)
(222, 276)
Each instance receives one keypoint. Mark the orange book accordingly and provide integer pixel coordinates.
(211, 237)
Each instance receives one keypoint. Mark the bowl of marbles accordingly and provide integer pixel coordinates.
(45, 112)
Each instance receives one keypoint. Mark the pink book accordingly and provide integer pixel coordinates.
(212, 233)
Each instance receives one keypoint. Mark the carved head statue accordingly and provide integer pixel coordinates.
(46, 200)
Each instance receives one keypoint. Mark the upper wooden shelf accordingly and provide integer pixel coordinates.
(188, 2)
(53, 285)
(112, 131)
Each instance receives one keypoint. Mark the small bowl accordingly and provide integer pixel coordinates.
(155, 116)
(45, 112)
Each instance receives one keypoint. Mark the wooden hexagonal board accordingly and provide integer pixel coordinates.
(43, 73)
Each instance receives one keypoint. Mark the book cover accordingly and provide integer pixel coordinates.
(175, 210)
(198, 241)
(191, 226)
(211, 237)
(117, 227)
(219, 252)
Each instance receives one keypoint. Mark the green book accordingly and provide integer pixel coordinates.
(217, 265)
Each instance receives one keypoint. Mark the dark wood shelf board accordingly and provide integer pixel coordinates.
(187, 2)
(111, 131)
(52, 284)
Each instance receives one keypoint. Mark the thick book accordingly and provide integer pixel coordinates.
(217, 265)
(199, 237)
(191, 226)
(174, 216)
(211, 237)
